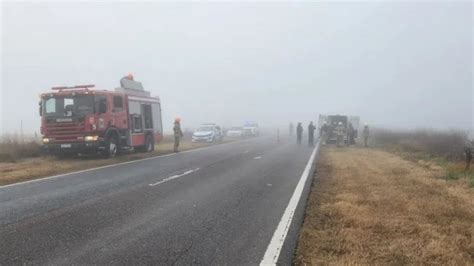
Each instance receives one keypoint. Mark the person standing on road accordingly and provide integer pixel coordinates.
(291, 129)
(365, 134)
(339, 134)
(299, 133)
(311, 129)
(178, 134)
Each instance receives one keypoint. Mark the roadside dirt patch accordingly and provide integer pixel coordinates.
(372, 207)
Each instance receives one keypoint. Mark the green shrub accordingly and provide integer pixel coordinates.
(453, 176)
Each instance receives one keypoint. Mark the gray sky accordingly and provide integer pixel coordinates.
(399, 64)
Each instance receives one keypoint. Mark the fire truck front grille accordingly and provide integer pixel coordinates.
(62, 132)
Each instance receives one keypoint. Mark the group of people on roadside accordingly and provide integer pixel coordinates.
(324, 130)
(299, 132)
(339, 130)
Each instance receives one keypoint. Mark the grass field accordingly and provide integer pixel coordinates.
(31, 167)
(373, 207)
(429, 148)
(12, 150)
(422, 143)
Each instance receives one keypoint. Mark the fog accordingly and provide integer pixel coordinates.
(396, 65)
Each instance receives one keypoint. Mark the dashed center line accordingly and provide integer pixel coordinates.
(258, 157)
(174, 177)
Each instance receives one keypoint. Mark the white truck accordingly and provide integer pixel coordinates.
(251, 129)
(332, 120)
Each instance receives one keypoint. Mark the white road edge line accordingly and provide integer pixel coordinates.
(174, 177)
(274, 247)
(117, 164)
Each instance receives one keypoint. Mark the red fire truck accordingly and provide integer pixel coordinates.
(82, 120)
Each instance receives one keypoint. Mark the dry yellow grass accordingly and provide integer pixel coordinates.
(32, 168)
(373, 207)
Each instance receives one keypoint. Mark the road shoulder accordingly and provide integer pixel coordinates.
(37, 168)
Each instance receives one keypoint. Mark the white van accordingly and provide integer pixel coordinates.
(251, 129)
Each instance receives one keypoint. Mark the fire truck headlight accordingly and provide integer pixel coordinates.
(91, 138)
(45, 140)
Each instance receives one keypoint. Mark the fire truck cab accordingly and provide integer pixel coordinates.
(81, 120)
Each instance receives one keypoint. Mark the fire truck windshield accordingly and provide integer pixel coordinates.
(78, 105)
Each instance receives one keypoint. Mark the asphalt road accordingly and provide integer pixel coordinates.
(219, 205)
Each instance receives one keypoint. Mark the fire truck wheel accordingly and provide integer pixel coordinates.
(149, 144)
(111, 147)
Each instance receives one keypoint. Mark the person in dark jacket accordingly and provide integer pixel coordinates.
(468, 154)
(311, 129)
(351, 134)
(299, 132)
(323, 132)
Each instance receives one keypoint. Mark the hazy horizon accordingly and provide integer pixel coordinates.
(396, 65)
